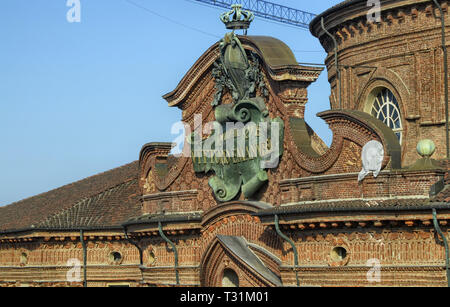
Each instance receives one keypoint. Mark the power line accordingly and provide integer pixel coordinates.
(308, 51)
(269, 10)
(198, 30)
(257, 17)
(170, 20)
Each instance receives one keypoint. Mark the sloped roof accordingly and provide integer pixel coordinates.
(444, 195)
(106, 199)
(348, 205)
(109, 208)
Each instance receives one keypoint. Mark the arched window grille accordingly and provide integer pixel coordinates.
(385, 107)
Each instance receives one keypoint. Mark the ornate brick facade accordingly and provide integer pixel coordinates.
(402, 52)
(157, 222)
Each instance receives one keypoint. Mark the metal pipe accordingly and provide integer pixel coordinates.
(161, 233)
(444, 48)
(141, 252)
(338, 72)
(83, 244)
(277, 228)
(444, 239)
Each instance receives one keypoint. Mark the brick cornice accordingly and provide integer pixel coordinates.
(360, 220)
(351, 16)
(284, 70)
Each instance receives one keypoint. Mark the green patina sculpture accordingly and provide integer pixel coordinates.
(244, 140)
(233, 71)
(236, 13)
(237, 18)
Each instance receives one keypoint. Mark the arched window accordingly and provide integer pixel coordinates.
(230, 278)
(385, 107)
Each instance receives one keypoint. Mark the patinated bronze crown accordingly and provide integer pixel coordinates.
(237, 18)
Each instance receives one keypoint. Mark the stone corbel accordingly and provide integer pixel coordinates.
(401, 16)
(429, 10)
(348, 33)
(363, 27)
(340, 36)
(390, 18)
(354, 28)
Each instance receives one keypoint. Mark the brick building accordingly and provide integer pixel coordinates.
(310, 221)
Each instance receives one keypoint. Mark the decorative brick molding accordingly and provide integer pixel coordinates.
(403, 53)
(154, 154)
(336, 223)
(356, 127)
(179, 201)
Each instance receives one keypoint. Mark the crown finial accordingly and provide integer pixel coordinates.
(237, 18)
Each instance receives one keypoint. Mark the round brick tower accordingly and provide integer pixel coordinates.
(391, 66)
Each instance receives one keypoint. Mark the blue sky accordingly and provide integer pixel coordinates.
(77, 99)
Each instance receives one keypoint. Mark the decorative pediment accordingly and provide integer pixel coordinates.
(351, 130)
(158, 169)
(280, 70)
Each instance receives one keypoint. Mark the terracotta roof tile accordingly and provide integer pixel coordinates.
(89, 196)
(444, 195)
(109, 208)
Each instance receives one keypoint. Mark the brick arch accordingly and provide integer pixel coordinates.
(217, 259)
(392, 81)
(214, 264)
(386, 78)
(230, 209)
(241, 225)
(278, 62)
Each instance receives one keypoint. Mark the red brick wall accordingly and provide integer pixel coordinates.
(403, 53)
